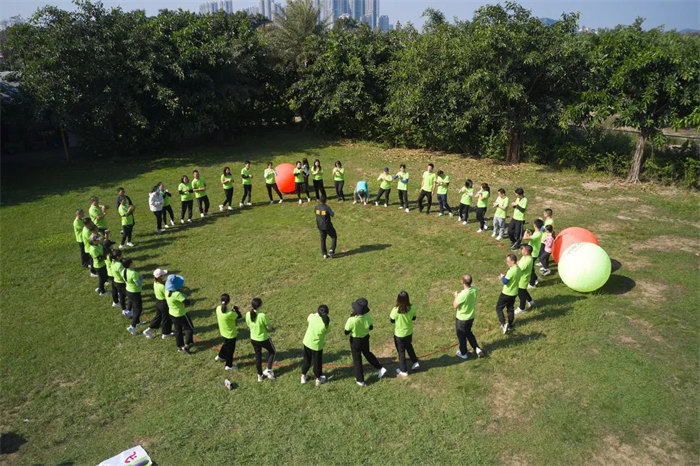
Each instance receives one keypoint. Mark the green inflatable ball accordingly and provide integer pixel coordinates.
(584, 267)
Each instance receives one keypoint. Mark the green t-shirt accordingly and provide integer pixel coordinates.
(549, 221)
(338, 174)
(176, 303)
(443, 183)
(227, 322)
(96, 211)
(466, 303)
(134, 282)
(269, 176)
(108, 264)
(85, 235)
(126, 219)
(97, 252)
(159, 290)
(513, 276)
(315, 336)
(525, 266)
(358, 326)
(402, 176)
(117, 271)
(247, 180)
(198, 183)
(78, 226)
(227, 181)
(317, 173)
(467, 194)
(517, 214)
(501, 207)
(258, 329)
(166, 200)
(481, 202)
(403, 323)
(536, 243)
(385, 179)
(428, 181)
(184, 190)
(298, 175)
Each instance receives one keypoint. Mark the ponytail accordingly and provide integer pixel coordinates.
(225, 299)
(323, 312)
(255, 304)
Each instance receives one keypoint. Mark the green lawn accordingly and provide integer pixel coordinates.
(607, 377)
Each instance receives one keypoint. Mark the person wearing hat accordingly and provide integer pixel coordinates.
(314, 341)
(98, 262)
(325, 227)
(162, 318)
(226, 318)
(361, 193)
(78, 225)
(176, 308)
(134, 285)
(384, 187)
(259, 326)
(358, 327)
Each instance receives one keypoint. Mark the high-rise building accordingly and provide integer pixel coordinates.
(384, 25)
(357, 9)
(372, 13)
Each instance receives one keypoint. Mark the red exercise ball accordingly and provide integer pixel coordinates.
(569, 236)
(285, 177)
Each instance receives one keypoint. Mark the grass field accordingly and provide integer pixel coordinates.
(607, 377)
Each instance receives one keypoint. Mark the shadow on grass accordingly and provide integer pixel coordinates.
(444, 360)
(10, 442)
(362, 249)
(513, 339)
(615, 265)
(617, 285)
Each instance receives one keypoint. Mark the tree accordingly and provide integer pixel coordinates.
(299, 21)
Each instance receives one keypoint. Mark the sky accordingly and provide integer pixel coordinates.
(672, 14)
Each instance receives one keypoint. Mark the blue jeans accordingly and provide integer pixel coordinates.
(442, 201)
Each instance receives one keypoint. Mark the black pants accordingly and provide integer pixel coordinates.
(162, 318)
(480, 217)
(524, 297)
(228, 192)
(423, 194)
(319, 188)
(334, 239)
(203, 204)
(247, 192)
(508, 302)
(168, 209)
(464, 334)
(544, 258)
(127, 231)
(101, 278)
(299, 188)
(186, 206)
(159, 218)
(339, 189)
(463, 212)
(404, 344)
(312, 357)
(533, 276)
(270, 187)
(386, 195)
(515, 231)
(183, 324)
(227, 350)
(442, 202)
(306, 186)
(84, 256)
(121, 293)
(136, 306)
(115, 291)
(403, 198)
(258, 346)
(358, 348)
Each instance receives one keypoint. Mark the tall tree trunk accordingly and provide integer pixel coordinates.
(515, 142)
(636, 167)
(65, 145)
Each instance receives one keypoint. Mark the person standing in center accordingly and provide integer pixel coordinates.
(227, 184)
(317, 173)
(465, 305)
(325, 227)
(426, 188)
(247, 181)
(185, 190)
(226, 319)
(259, 326)
(339, 180)
(465, 201)
(270, 183)
(384, 187)
(314, 341)
(199, 186)
(402, 187)
(358, 327)
(499, 217)
(176, 308)
(402, 316)
(443, 183)
(509, 292)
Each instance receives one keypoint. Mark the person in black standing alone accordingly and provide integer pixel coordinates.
(325, 227)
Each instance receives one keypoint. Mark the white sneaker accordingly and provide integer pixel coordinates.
(531, 287)
(519, 311)
(354, 202)
(480, 353)
(280, 201)
(321, 380)
(217, 358)
(130, 244)
(464, 222)
(463, 356)
(486, 227)
(546, 272)
(201, 214)
(115, 304)
(439, 215)
(167, 335)
(301, 202)
(172, 223)
(504, 327)
(479, 230)
(132, 330)
(377, 204)
(381, 372)
(189, 220)
(272, 202)
(228, 384)
(229, 208)
(240, 204)
(406, 210)
(159, 231)
(121, 246)
(451, 215)
(400, 208)
(126, 313)
(97, 290)
(386, 205)
(498, 238)
(221, 207)
(261, 378)
(182, 221)
(531, 304)
(165, 225)
(493, 235)
(415, 366)
(361, 384)
(148, 334)
(401, 374)
(325, 256)
(232, 367)
(304, 379)
(539, 264)
(269, 374)
(249, 203)
(93, 275)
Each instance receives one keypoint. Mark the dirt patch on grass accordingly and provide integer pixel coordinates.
(606, 227)
(651, 290)
(517, 459)
(646, 328)
(672, 243)
(427, 387)
(596, 185)
(508, 398)
(660, 448)
(625, 340)
(556, 204)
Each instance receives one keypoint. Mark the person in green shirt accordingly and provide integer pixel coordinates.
(199, 187)
(534, 239)
(118, 276)
(548, 217)
(98, 261)
(317, 175)
(107, 246)
(134, 286)
(299, 181)
(499, 217)
(402, 316)
(162, 319)
(482, 199)
(465, 201)
(186, 193)
(525, 264)
(270, 183)
(465, 305)
(384, 187)
(126, 213)
(88, 230)
(443, 182)
(508, 293)
(177, 302)
(247, 181)
(78, 225)
(517, 222)
(339, 180)
(259, 326)
(226, 318)
(98, 214)
(314, 341)
(402, 187)
(426, 188)
(167, 208)
(227, 184)
(358, 327)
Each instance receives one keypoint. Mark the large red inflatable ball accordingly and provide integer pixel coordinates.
(285, 177)
(569, 236)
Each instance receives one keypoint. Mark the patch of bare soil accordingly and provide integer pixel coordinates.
(508, 399)
(596, 185)
(672, 243)
(660, 448)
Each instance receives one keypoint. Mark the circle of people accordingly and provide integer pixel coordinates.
(106, 262)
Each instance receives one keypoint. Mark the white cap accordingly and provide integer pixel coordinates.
(160, 273)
